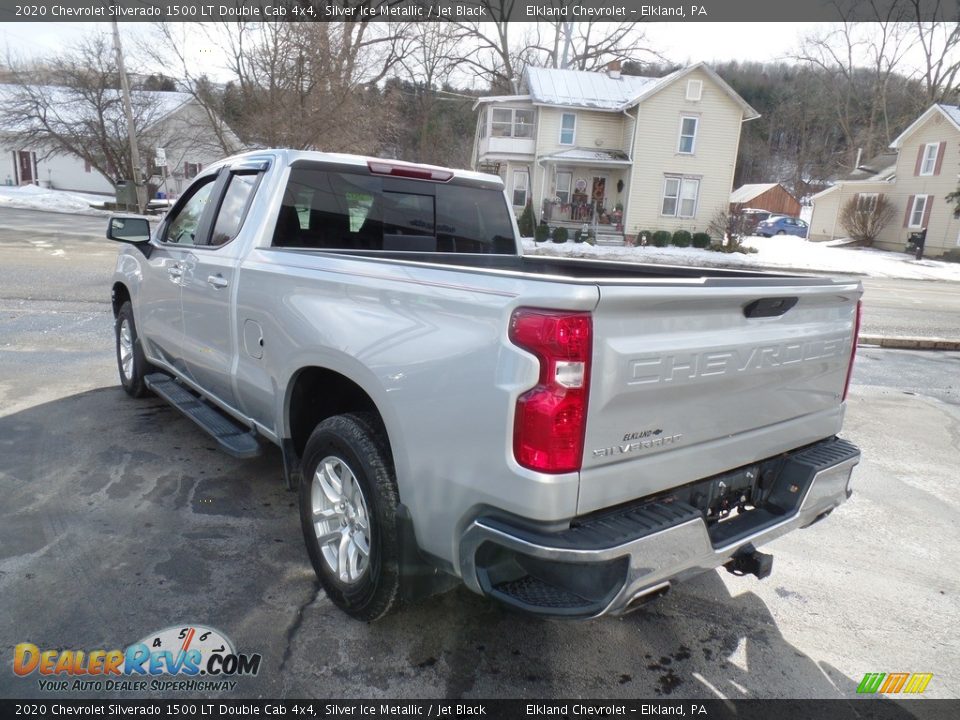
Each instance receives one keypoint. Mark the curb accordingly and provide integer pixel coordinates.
(910, 343)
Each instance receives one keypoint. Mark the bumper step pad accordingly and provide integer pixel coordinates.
(532, 592)
(233, 439)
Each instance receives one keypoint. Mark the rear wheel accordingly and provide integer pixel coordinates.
(348, 502)
(780, 232)
(131, 362)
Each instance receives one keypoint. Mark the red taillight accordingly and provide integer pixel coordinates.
(853, 351)
(550, 419)
(409, 171)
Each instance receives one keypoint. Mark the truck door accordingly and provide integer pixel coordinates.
(161, 319)
(209, 286)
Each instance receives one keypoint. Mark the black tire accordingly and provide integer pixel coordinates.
(357, 442)
(131, 379)
(781, 232)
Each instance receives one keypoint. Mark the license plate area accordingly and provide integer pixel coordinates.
(726, 496)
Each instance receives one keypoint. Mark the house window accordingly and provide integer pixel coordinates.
(688, 135)
(568, 128)
(511, 122)
(694, 89)
(520, 180)
(929, 163)
(680, 197)
(564, 181)
(918, 209)
(483, 123)
(867, 202)
(191, 170)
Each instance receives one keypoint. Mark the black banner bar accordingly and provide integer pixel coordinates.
(475, 10)
(866, 708)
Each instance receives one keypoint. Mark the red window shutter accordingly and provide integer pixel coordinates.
(906, 217)
(940, 153)
(926, 211)
(916, 169)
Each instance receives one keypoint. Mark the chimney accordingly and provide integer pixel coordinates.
(613, 69)
(856, 165)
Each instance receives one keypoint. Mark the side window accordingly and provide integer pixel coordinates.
(182, 226)
(233, 209)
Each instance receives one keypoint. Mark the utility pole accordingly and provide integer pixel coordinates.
(137, 174)
(567, 30)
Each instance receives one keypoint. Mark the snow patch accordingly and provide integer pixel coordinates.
(34, 197)
(780, 252)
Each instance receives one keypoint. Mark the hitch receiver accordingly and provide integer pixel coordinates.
(750, 561)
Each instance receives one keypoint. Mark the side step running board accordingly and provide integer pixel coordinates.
(233, 439)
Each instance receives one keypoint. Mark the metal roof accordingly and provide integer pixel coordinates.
(578, 88)
(588, 155)
(745, 193)
(951, 112)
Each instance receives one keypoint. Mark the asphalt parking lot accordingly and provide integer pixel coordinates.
(119, 519)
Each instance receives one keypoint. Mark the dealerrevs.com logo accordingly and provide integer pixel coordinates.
(189, 658)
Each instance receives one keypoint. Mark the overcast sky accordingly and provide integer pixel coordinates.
(679, 42)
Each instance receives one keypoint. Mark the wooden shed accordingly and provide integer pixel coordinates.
(765, 196)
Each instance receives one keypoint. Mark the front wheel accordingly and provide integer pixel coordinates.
(780, 232)
(348, 502)
(131, 362)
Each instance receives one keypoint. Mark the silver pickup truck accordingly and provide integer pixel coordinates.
(568, 437)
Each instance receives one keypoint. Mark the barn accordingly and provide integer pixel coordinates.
(773, 197)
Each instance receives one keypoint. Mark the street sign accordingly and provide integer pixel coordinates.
(161, 158)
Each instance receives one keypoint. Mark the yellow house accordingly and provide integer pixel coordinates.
(927, 169)
(619, 153)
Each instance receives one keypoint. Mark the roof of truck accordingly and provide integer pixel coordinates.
(288, 156)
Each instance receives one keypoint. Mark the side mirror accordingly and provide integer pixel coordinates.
(128, 228)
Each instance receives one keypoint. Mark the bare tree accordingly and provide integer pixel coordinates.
(310, 85)
(497, 52)
(859, 92)
(73, 106)
(431, 56)
(864, 218)
(491, 50)
(167, 43)
(590, 45)
(940, 44)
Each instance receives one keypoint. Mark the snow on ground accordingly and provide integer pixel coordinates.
(33, 197)
(786, 252)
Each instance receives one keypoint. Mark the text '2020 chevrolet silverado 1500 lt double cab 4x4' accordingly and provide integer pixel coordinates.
(569, 437)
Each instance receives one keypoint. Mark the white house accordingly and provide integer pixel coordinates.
(174, 123)
(916, 178)
(621, 152)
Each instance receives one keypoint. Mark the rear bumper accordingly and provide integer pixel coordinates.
(611, 563)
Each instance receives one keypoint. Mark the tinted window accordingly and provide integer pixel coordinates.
(233, 208)
(182, 227)
(353, 211)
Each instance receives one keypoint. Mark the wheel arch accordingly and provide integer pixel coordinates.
(316, 393)
(119, 294)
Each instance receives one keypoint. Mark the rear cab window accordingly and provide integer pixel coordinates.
(348, 208)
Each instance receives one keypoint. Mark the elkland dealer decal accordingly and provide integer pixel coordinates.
(177, 652)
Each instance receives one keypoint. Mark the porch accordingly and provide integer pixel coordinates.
(585, 187)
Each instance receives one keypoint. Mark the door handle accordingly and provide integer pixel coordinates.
(218, 281)
(175, 271)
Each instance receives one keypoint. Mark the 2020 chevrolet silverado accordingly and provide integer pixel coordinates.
(569, 437)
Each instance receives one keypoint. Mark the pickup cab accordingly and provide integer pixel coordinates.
(566, 436)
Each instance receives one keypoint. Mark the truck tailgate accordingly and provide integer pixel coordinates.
(684, 384)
